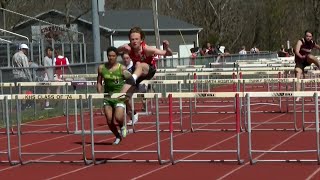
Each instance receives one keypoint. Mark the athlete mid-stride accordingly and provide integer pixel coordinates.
(111, 73)
(143, 57)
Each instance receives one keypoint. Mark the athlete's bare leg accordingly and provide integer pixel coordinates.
(312, 59)
(141, 69)
(108, 111)
(298, 74)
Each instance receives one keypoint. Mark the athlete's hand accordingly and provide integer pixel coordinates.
(124, 48)
(165, 44)
(127, 47)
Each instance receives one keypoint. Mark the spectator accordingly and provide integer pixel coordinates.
(60, 62)
(21, 72)
(226, 52)
(49, 72)
(193, 56)
(208, 48)
(243, 50)
(48, 64)
(254, 49)
(203, 50)
(282, 52)
(34, 67)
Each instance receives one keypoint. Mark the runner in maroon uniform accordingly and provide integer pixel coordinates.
(303, 56)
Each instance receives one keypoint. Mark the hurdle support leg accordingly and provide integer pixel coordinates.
(7, 128)
(171, 129)
(249, 130)
(191, 115)
(317, 125)
(93, 159)
(83, 137)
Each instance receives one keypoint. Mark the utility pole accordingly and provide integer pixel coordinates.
(156, 22)
(96, 31)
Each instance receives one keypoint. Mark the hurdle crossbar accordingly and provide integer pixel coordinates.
(29, 84)
(7, 84)
(157, 151)
(289, 94)
(173, 151)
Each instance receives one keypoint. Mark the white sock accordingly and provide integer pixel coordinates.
(47, 103)
(135, 77)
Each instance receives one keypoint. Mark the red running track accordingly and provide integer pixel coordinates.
(269, 140)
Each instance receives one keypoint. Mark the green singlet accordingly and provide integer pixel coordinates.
(113, 83)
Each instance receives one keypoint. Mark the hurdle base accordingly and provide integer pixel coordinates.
(241, 161)
(53, 161)
(105, 161)
(102, 132)
(255, 161)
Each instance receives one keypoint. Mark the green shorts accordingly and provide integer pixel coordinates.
(114, 103)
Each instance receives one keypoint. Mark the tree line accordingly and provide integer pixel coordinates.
(232, 23)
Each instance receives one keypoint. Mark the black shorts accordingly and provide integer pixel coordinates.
(152, 71)
(301, 63)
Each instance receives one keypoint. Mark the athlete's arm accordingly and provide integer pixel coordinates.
(317, 46)
(99, 80)
(124, 48)
(165, 52)
(297, 49)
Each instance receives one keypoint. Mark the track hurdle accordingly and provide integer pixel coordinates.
(21, 154)
(283, 94)
(190, 66)
(7, 85)
(157, 151)
(237, 127)
(268, 81)
(11, 87)
(6, 123)
(176, 87)
(46, 97)
(79, 76)
(276, 94)
(75, 84)
(305, 103)
(222, 103)
(208, 95)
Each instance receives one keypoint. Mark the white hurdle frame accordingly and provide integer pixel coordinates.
(135, 95)
(282, 94)
(159, 82)
(37, 96)
(171, 128)
(18, 98)
(192, 95)
(6, 120)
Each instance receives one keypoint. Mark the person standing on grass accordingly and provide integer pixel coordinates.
(21, 72)
(111, 73)
(49, 71)
(61, 64)
(303, 56)
(20, 64)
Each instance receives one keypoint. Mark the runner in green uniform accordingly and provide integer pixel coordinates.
(112, 75)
